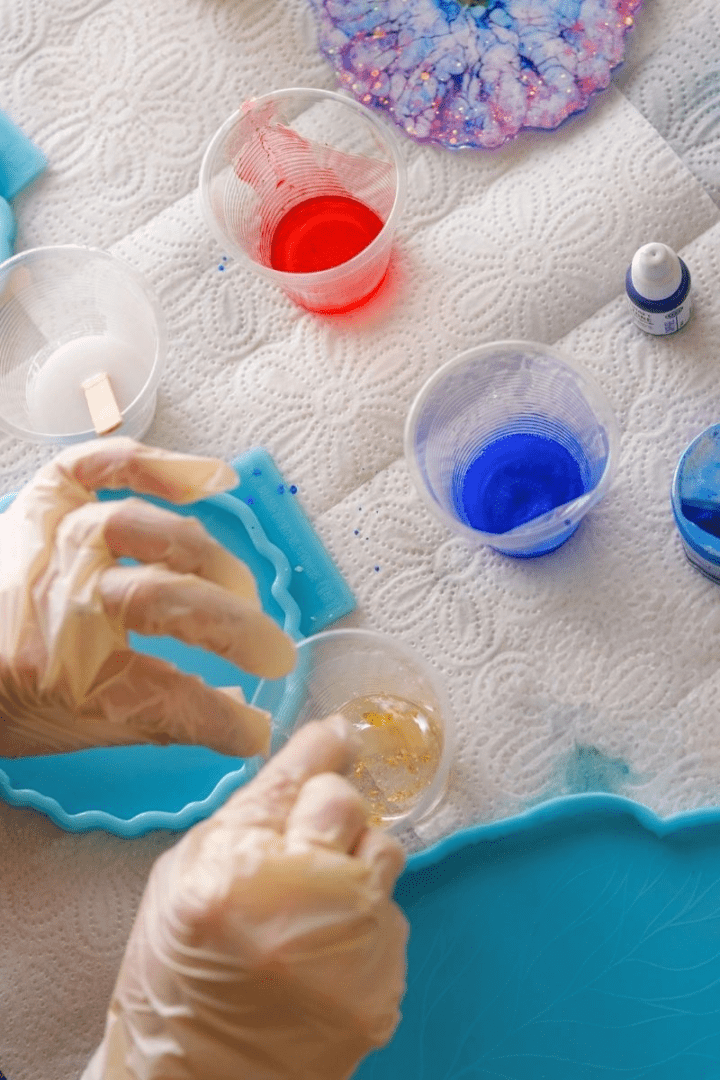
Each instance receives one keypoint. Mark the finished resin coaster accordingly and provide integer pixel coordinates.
(464, 74)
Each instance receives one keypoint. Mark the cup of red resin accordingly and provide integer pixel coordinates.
(306, 186)
(511, 444)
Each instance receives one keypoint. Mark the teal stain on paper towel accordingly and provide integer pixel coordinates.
(588, 769)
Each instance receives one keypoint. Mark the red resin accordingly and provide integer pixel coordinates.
(321, 232)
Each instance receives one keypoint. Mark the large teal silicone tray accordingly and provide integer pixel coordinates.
(580, 941)
(130, 790)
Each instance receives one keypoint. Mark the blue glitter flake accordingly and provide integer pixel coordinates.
(280, 489)
(293, 489)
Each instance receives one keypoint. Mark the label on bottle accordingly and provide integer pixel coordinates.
(661, 322)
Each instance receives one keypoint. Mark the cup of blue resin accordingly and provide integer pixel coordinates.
(695, 498)
(511, 444)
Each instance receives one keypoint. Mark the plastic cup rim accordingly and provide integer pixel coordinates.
(435, 791)
(523, 538)
(153, 378)
(288, 279)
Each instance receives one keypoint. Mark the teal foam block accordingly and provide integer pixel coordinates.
(580, 941)
(129, 790)
(20, 160)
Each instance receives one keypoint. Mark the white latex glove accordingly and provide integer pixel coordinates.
(266, 946)
(67, 677)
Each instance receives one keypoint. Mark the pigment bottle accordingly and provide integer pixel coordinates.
(657, 283)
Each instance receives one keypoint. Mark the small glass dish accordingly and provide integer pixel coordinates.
(393, 700)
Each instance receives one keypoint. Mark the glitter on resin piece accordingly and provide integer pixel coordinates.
(466, 74)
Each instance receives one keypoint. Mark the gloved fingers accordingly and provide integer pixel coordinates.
(319, 746)
(136, 529)
(123, 463)
(145, 700)
(384, 855)
(154, 600)
(329, 812)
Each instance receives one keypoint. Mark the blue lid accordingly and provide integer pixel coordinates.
(695, 500)
(576, 942)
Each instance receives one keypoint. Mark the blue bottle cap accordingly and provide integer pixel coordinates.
(695, 500)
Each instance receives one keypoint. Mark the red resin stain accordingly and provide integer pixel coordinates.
(321, 232)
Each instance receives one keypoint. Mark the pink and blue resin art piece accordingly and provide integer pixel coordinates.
(467, 74)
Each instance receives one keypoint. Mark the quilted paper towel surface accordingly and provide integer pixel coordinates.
(593, 668)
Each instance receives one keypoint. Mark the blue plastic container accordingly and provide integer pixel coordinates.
(695, 498)
(129, 790)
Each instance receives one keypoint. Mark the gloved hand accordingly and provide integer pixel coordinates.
(266, 946)
(67, 677)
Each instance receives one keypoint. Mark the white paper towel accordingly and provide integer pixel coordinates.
(677, 87)
(596, 667)
(593, 666)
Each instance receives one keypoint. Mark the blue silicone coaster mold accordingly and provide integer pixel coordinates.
(131, 790)
(580, 941)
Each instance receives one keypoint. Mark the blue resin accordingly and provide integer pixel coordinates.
(706, 519)
(517, 477)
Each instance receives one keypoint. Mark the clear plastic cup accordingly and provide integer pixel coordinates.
(510, 444)
(68, 313)
(296, 184)
(394, 701)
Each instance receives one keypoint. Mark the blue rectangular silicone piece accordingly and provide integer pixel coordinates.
(316, 584)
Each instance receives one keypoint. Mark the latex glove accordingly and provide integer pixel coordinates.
(266, 945)
(67, 677)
